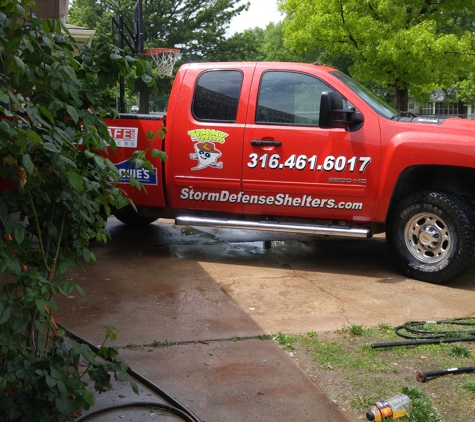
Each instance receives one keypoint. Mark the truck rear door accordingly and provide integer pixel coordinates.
(291, 166)
(207, 137)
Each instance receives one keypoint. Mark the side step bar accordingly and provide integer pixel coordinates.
(330, 230)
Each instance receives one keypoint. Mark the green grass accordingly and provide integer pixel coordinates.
(458, 351)
(284, 340)
(356, 375)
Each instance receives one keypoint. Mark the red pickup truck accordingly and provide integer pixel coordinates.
(304, 148)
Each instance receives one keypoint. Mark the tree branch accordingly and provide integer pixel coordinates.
(350, 37)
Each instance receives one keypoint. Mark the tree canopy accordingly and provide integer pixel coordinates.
(419, 45)
(194, 26)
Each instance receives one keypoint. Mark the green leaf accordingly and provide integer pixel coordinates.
(122, 376)
(47, 114)
(28, 164)
(4, 314)
(71, 74)
(13, 45)
(19, 234)
(134, 386)
(80, 290)
(33, 136)
(88, 397)
(62, 387)
(63, 266)
(41, 305)
(134, 182)
(100, 162)
(57, 374)
(51, 147)
(20, 374)
(147, 78)
(34, 115)
(73, 113)
(55, 83)
(86, 253)
(156, 153)
(28, 45)
(3, 96)
(19, 64)
(76, 181)
(50, 381)
(64, 405)
(3, 383)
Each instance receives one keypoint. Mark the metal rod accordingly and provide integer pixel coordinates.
(422, 376)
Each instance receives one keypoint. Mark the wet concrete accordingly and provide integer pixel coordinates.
(207, 288)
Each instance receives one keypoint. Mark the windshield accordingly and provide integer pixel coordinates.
(376, 103)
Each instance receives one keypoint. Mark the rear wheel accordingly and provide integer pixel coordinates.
(129, 216)
(431, 236)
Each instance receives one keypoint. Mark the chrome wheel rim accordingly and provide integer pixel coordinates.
(428, 238)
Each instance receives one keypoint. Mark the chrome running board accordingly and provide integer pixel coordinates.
(330, 230)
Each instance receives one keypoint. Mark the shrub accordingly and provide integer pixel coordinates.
(53, 160)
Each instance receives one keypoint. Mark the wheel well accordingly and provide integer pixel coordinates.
(459, 181)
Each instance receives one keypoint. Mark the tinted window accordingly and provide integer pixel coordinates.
(289, 98)
(217, 95)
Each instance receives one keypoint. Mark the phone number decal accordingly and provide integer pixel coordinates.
(302, 162)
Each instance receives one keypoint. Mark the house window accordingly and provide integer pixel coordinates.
(444, 109)
(427, 109)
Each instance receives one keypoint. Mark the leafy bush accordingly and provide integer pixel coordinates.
(54, 172)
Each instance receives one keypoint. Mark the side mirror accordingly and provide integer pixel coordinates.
(333, 115)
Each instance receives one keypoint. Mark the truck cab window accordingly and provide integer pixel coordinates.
(289, 98)
(217, 95)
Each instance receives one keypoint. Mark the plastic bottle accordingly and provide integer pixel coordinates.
(393, 408)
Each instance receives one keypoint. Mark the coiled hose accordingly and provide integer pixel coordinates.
(429, 332)
(176, 407)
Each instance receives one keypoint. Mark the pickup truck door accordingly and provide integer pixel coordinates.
(207, 138)
(292, 167)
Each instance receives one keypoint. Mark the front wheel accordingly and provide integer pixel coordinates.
(431, 236)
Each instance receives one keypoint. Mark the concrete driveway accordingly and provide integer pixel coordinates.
(191, 306)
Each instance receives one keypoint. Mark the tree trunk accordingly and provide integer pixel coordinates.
(144, 102)
(401, 98)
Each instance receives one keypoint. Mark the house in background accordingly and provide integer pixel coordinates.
(439, 107)
(53, 9)
(58, 9)
(83, 36)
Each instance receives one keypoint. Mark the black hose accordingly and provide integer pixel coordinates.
(421, 342)
(414, 330)
(418, 333)
(178, 408)
(149, 405)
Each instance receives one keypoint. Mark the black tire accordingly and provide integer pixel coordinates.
(431, 236)
(129, 216)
